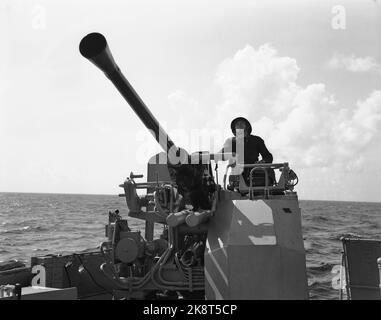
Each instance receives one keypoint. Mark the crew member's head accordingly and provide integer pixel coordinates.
(241, 127)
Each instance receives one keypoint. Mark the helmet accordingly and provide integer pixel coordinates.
(232, 125)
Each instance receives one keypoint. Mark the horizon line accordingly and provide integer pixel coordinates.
(117, 194)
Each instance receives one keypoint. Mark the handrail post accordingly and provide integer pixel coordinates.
(379, 270)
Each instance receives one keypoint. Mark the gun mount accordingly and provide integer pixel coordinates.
(241, 241)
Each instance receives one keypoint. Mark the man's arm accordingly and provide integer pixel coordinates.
(265, 153)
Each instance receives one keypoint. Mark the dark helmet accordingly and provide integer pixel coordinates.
(232, 125)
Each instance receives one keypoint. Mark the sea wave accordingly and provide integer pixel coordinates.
(347, 235)
(322, 267)
(25, 229)
(34, 224)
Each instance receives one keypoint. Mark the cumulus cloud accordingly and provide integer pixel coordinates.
(304, 125)
(180, 101)
(368, 112)
(354, 64)
(254, 82)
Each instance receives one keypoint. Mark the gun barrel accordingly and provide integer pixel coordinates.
(94, 47)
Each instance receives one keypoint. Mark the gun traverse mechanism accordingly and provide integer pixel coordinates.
(241, 241)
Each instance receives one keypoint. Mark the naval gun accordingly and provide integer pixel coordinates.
(236, 241)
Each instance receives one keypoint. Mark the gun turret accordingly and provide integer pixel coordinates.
(243, 242)
(94, 47)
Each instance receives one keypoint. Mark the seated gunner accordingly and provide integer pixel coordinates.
(253, 146)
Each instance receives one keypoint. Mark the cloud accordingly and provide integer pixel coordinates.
(254, 81)
(179, 100)
(368, 112)
(354, 64)
(304, 125)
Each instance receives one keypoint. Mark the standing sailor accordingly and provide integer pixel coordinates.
(248, 145)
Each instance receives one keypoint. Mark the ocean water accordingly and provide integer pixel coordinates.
(39, 224)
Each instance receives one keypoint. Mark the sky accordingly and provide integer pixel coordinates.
(305, 73)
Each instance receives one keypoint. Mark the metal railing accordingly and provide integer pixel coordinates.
(282, 184)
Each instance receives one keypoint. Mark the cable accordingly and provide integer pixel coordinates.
(91, 276)
(292, 177)
(68, 264)
(138, 284)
